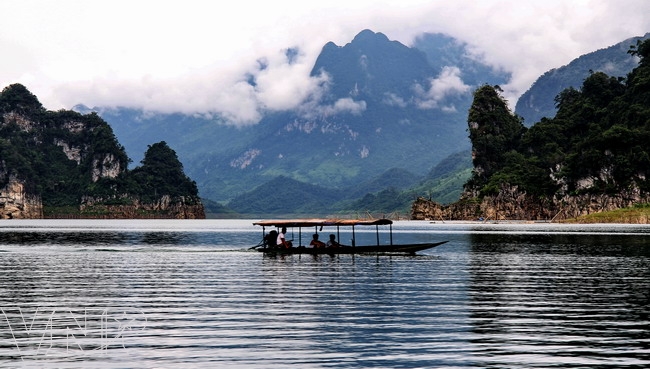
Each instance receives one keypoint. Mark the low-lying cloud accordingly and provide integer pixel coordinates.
(233, 62)
(448, 84)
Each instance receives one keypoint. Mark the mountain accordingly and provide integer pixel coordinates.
(593, 156)
(298, 198)
(70, 165)
(443, 51)
(293, 196)
(385, 105)
(539, 100)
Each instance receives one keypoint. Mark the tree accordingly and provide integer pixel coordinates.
(597, 142)
(493, 131)
(17, 97)
(162, 174)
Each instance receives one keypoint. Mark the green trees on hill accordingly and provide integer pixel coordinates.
(65, 156)
(161, 173)
(494, 131)
(17, 98)
(597, 142)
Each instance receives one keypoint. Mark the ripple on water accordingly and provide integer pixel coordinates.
(482, 300)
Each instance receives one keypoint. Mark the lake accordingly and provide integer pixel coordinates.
(176, 293)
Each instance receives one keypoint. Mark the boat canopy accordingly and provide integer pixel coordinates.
(321, 222)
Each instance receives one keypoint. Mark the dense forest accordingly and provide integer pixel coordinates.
(67, 158)
(596, 143)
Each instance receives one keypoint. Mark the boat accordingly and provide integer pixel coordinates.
(268, 243)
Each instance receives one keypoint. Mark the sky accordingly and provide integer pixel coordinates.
(195, 57)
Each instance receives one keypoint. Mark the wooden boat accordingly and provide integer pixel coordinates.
(268, 243)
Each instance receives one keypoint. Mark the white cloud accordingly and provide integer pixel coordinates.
(283, 85)
(392, 99)
(315, 109)
(197, 56)
(448, 83)
(347, 105)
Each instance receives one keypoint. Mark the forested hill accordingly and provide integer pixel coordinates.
(65, 164)
(592, 156)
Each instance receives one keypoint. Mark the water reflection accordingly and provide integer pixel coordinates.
(561, 243)
(117, 240)
(83, 238)
(572, 299)
(488, 298)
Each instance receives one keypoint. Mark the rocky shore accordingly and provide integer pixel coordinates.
(511, 204)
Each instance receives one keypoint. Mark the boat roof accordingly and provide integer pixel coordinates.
(321, 222)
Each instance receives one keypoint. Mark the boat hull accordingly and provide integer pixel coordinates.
(408, 249)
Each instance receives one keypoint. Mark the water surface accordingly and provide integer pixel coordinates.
(191, 293)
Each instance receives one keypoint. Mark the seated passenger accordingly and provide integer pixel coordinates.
(315, 242)
(332, 242)
(282, 243)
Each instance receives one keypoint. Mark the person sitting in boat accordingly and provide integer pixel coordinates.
(332, 242)
(282, 241)
(315, 242)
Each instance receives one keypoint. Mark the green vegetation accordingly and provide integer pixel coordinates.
(33, 142)
(637, 214)
(494, 132)
(66, 157)
(161, 173)
(392, 192)
(597, 142)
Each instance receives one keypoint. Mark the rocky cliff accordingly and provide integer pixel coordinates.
(163, 208)
(16, 202)
(512, 204)
(67, 165)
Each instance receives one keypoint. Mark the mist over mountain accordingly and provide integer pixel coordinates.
(382, 105)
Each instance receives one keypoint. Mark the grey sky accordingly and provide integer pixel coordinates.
(195, 56)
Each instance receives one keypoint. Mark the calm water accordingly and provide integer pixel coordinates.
(170, 294)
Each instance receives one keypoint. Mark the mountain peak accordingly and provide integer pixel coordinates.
(369, 36)
(373, 65)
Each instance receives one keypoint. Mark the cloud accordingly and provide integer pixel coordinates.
(315, 109)
(346, 105)
(392, 99)
(447, 84)
(201, 57)
(239, 95)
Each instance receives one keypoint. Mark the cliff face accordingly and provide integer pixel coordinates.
(17, 203)
(67, 165)
(512, 204)
(164, 208)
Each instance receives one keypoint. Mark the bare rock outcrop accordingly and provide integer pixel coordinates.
(164, 208)
(18, 203)
(512, 204)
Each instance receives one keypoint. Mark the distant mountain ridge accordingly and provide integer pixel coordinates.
(539, 101)
(371, 66)
(383, 108)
